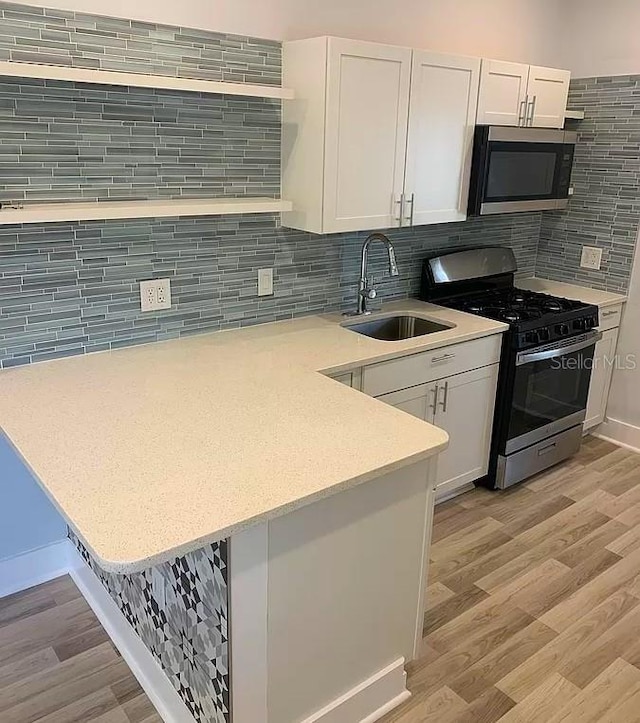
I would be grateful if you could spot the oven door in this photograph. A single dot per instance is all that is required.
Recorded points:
(550, 390)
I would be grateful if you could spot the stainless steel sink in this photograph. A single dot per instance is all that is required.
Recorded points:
(396, 328)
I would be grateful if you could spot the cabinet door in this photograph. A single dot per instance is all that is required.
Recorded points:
(418, 401)
(464, 410)
(366, 134)
(547, 92)
(601, 378)
(442, 113)
(503, 93)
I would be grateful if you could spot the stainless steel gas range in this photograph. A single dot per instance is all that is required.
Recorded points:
(546, 362)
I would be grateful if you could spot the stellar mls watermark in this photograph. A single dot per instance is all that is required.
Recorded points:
(628, 362)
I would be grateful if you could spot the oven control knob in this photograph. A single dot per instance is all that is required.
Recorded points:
(532, 337)
(580, 324)
(544, 335)
(562, 329)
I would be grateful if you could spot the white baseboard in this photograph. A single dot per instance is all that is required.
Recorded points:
(620, 433)
(33, 568)
(370, 700)
(143, 665)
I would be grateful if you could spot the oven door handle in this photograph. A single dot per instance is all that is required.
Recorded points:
(528, 357)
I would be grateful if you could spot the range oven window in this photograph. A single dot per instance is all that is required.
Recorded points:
(520, 174)
(548, 390)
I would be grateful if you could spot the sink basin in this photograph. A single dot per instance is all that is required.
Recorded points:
(396, 328)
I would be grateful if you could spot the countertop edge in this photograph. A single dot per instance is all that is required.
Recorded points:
(381, 354)
(616, 297)
(135, 566)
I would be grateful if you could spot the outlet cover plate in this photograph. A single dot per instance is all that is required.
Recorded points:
(591, 257)
(265, 282)
(155, 295)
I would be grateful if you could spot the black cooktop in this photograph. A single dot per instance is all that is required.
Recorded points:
(534, 318)
(515, 305)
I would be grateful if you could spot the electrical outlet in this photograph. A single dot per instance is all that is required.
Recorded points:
(591, 257)
(265, 282)
(155, 294)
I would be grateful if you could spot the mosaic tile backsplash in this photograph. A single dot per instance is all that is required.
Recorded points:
(605, 210)
(58, 37)
(71, 288)
(180, 612)
(64, 141)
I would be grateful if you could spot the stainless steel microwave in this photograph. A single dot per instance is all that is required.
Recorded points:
(520, 169)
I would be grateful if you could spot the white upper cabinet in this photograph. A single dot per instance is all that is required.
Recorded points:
(503, 93)
(513, 94)
(366, 134)
(377, 137)
(548, 90)
(442, 112)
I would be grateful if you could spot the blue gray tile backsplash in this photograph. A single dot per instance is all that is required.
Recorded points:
(605, 210)
(72, 288)
(59, 37)
(65, 141)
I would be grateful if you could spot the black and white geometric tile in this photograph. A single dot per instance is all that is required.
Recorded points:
(180, 612)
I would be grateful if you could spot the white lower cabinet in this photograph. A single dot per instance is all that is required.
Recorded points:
(462, 405)
(601, 374)
(464, 410)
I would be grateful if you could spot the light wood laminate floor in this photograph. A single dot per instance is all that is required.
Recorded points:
(57, 664)
(534, 600)
(533, 615)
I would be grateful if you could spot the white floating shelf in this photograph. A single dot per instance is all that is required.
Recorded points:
(139, 80)
(574, 114)
(104, 210)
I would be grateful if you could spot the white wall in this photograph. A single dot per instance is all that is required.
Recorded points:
(600, 38)
(524, 30)
(624, 398)
(27, 518)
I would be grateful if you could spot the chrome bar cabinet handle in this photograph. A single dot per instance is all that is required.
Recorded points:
(532, 108)
(445, 397)
(400, 204)
(434, 404)
(523, 111)
(410, 200)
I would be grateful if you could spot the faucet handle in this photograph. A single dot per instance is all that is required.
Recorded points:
(368, 290)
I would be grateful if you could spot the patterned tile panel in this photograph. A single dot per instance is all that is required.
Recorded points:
(58, 37)
(605, 210)
(71, 288)
(180, 612)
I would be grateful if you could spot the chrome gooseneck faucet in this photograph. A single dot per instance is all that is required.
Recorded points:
(366, 289)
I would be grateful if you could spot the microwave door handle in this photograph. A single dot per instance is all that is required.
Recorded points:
(527, 358)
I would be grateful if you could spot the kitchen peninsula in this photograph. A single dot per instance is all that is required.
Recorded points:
(263, 528)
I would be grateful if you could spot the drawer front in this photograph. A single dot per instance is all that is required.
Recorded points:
(427, 366)
(610, 317)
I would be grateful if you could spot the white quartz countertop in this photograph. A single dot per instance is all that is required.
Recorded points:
(153, 451)
(571, 291)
